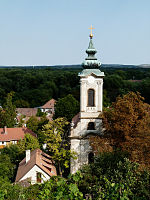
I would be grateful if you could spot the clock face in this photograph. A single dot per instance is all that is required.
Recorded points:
(91, 79)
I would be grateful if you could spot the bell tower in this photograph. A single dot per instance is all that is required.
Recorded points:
(88, 121)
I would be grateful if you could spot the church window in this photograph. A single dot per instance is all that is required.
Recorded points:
(91, 97)
(91, 126)
(91, 157)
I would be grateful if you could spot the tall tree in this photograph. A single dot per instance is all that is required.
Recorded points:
(57, 144)
(128, 124)
(28, 142)
(67, 107)
(36, 125)
(8, 113)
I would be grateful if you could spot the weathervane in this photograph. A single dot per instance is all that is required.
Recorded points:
(91, 34)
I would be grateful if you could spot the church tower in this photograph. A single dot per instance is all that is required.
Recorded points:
(88, 121)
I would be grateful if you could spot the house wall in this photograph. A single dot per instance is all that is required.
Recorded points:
(4, 143)
(33, 175)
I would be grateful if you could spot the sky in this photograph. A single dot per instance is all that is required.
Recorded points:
(54, 32)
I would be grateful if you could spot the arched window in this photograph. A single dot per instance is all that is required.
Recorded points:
(91, 157)
(91, 97)
(91, 126)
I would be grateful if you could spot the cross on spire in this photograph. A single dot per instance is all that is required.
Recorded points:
(91, 34)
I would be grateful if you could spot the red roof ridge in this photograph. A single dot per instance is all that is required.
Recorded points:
(49, 104)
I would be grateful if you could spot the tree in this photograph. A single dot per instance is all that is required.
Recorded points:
(57, 144)
(20, 103)
(8, 113)
(6, 168)
(28, 142)
(66, 107)
(128, 124)
(13, 152)
(36, 125)
(32, 123)
(114, 176)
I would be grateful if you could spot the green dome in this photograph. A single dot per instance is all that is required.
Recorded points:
(91, 61)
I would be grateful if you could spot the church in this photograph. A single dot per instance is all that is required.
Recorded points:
(87, 122)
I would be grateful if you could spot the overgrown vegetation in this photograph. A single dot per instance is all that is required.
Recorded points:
(49, 83)
(114, 174)
(111, 176)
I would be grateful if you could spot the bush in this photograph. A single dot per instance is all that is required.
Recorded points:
(113, 176)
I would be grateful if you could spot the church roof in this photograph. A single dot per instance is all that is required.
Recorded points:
(91, 61)
(87, 72)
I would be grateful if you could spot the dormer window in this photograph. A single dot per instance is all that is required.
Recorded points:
(91, 98)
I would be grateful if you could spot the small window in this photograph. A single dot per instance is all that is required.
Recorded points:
(91, 157)
(91, 97)
(38, 177)
(91, 126)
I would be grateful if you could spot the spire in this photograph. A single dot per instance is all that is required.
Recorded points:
(91, 61)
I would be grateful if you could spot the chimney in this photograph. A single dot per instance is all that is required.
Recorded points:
(27, 155)
(5, 129)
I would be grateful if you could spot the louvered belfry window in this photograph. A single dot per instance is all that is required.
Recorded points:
(91, 97)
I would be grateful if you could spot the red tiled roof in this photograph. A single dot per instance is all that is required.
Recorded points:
(10, 134)
(28, 112)
(38, 158)
(49, 104)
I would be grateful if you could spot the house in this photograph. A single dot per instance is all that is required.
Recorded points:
(48, 107)
(28, 112)
(37, 167)
(25, 113)
(13, 135)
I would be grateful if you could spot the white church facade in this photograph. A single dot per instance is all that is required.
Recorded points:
(88, 121)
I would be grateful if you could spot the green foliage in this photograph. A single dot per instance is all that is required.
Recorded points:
(57, 144)
(8, 113)
(13, 152)
(40, 113)
(20, 103)
(113, 176)
(53, 83)
(28, 142)
(36, 125)
(67, 107)
(32, 124)
(6, 168)
(60, 189)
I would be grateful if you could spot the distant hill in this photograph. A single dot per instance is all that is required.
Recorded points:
(80, 66)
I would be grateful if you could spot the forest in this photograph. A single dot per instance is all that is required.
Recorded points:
(120, 167)
(34, 87)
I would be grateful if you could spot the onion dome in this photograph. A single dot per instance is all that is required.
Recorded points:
(91, 61)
